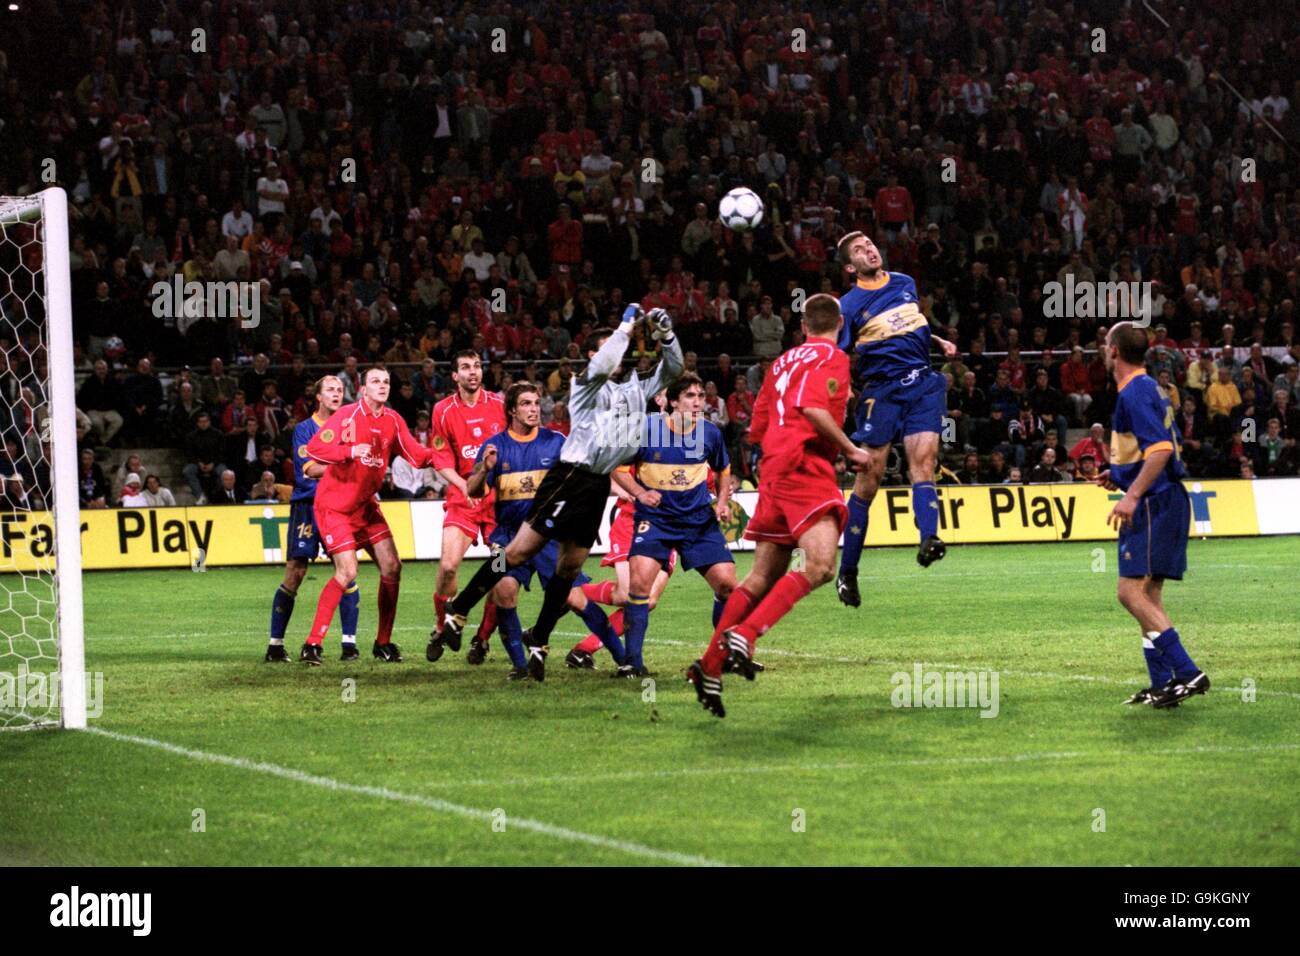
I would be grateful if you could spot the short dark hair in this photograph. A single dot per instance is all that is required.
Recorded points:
(1131, 342)
(842, 247)
(517, 389)
(684, 381)
(464, 354)
(821, 313)
(597, 339)
(365, 375)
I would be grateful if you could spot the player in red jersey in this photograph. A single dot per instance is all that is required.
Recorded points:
(459, 425)
(797, 421)
(356, 444)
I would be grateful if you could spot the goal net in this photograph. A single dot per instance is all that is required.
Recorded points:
(42, 668)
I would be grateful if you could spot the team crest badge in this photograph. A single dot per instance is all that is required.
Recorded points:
(439, 442)
(832, 386)
(327, 435)
(643, 527)
(478, 432)
(302, 451)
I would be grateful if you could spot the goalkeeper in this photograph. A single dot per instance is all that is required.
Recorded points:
(607, 419)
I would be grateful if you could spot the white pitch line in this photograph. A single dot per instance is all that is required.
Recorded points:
(432, 803)
(873, 765)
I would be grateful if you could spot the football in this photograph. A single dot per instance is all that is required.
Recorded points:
(740, 210)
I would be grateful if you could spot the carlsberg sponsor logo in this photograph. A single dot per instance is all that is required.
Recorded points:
(103, 909)
(1098, 300)
(922, 688)
(216, 300)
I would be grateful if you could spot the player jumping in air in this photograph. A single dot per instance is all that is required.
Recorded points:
(900, 396)
(514, 463)
(1152, 518)
(797, 422)
(459, 425)
(304, 538)
(606, 420)
(674, 511)
(357, 443)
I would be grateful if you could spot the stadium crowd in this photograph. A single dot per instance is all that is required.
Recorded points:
(402, 180)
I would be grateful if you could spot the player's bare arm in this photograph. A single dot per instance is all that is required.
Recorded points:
(828, 429)
(722, 508)
(476, 486)
(1154, 464)
(634, 490)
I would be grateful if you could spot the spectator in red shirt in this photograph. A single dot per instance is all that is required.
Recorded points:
(894, 210)
(564, 237)
(1094, 444)
(559, 418)
(1015, 369)
(740, 404)
(1075, 384)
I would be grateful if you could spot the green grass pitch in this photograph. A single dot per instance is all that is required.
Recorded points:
(449, 764)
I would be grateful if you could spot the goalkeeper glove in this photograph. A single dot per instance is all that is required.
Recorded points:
(661, 325)
(631, 316)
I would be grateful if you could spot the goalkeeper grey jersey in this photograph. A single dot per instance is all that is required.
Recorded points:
(606, 418)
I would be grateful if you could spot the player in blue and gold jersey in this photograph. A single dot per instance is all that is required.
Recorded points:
(513, 463)
(674, 510)
(1152, 518)
(900, 397)
(304, 538)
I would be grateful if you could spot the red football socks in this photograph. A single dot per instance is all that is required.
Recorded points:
(785, 594)
(602, 592)
(330, 595)
(489, 622)
(737, 608)
(591, 644)
(440, 609)
(387, 608)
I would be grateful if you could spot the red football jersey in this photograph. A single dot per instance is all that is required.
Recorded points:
(812, 375)
(459, 429)
(349, 482)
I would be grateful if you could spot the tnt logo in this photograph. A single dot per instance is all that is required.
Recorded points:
(1201, 508)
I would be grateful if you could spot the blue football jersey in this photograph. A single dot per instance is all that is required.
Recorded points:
(522, 463)
(304, 488)
(1143, 423)
(884, 328)
(677, 465)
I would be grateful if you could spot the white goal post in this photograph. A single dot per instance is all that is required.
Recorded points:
(42, 593)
